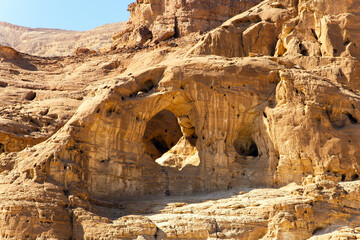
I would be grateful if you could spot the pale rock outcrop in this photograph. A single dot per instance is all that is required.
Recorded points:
(251, 33)
(166, 19)
(287, 28)
(320, 30)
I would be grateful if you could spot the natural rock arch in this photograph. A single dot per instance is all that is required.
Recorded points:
(161, 134)
(171, 140)
(113, 141)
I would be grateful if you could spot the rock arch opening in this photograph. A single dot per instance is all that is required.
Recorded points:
(171, 141)
(161, 134)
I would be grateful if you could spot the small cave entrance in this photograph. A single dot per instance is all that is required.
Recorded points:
(339, 120)
(2, 148)
(161, 134)
(246, 146)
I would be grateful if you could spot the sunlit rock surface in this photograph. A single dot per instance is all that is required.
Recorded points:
(248, 131)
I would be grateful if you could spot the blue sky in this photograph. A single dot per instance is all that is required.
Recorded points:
(64, 14)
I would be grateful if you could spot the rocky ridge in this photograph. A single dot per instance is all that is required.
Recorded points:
(248, 131)
(56, 42)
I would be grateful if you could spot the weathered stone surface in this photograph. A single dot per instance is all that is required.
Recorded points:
(104, 138)
(172, 142)
(320, 30)
(8, 53)
(57, 88)
(253, 32)
(87, 225)
(166, 19)
(32, 210)
(308, 28)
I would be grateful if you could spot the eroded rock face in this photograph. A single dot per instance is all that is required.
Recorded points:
(174, 142)
(287, 28)
(242, 111)
(320, 30)
(118, 147)
(166, 19)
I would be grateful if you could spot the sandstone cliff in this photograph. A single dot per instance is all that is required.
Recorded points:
(248, 131)
(158, 20)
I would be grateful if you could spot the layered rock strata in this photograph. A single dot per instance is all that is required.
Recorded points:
(238, 136)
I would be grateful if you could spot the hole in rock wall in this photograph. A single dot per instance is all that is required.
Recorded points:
(355, 177)
(2, 148)
(343, 177)
(176, 29)
(352, 119)
(161, 134)
(148, 86)
(246, 146)
(303, 50)
(171, 142)
(340, 120)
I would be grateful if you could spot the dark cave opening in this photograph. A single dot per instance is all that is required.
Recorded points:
(160, 144)
(352, 119)
(355, 177)
(343, 177)
(2, 148)
(253, 150)
(246, 147)
(303, 50)
(161, 134)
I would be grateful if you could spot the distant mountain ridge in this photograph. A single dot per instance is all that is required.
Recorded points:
(56, 42)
